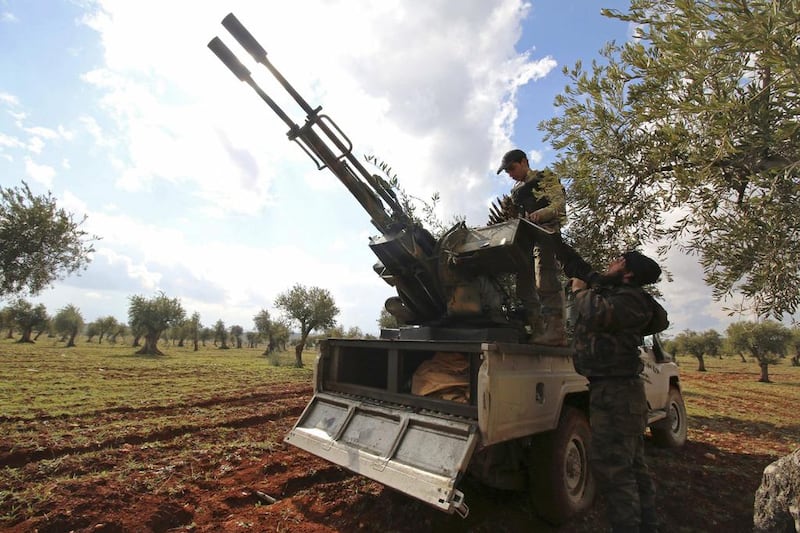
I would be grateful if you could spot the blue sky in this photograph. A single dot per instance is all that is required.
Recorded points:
(122, 112)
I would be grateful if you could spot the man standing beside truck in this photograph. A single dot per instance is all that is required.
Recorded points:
(613, 313)
(540, 198)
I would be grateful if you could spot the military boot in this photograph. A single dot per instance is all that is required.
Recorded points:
(554, 333)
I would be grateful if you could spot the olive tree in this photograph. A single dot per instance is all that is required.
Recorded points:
(386, 320)
(27, 316)
(68, 322)
(236, 334)
(105, 326)
(794, 345)
(151, 317)
(698, 345)
(312, 308)
(40, 242)
(266, 329)
(194, 328)
(221, 334)
(7, 322)
(765, 341)
(687, 136)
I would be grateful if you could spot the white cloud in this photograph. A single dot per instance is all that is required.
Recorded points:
(8, 141)
(45, 133)
(428, 87)
(42, 174)
(35, 145)
(171, 95)
(9, 99)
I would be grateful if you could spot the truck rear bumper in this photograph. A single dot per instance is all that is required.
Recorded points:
(418, 454)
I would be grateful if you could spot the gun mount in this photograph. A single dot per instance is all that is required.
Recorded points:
(450, 282)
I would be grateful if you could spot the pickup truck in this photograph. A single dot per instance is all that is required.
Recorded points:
(520, 419)
(524, 424)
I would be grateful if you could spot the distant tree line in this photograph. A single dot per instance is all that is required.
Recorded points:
(161, 319)
(766, 342)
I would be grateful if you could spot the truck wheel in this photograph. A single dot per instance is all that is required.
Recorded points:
(671, 431)
(561, 482)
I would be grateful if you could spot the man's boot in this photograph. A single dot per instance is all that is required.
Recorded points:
(554, 333)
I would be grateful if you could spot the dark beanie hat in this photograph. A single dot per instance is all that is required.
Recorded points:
(644, 269)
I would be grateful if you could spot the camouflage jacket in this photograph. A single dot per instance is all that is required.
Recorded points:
(541, 191)
(610, 320)
(609, 324)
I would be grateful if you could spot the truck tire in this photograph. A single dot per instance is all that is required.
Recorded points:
(561, 481)
(671, 431)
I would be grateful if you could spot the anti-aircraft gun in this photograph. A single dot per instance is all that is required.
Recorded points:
(443, 284)
(518, 416)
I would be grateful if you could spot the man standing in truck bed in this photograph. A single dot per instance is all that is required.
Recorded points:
(613, 313)
(540, 198)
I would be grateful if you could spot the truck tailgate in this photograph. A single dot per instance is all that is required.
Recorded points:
(417, 454)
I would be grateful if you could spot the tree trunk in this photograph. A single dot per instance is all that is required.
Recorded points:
(71, 341)
(136, 339)
(701, 364)
(298, 351)
(196, 347)
(150, 346)
(764, 372)
(10, 333)
(26, 336)
(743, 359)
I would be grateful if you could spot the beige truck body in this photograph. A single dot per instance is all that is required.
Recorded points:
(364, 417)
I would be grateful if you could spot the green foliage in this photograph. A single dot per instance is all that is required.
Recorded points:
(689, 136)
(193, 328)
(236, 335)
(107, 325)
(386, 320)
(697, 345)
(26, 316)
(312, 308)
(765, 341)
(409, 203)
(68, 322)
(39, 242)
(276, 331)
(221, 334)
(339, 332)
(152, 317)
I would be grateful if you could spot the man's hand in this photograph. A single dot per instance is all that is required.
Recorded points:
(578, 284)
(540, 215)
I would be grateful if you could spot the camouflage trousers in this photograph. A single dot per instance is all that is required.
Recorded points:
(548, 284)
(539, 287)
(618, 417)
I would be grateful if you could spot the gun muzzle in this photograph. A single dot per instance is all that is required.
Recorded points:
(231, 61)
(244, 37)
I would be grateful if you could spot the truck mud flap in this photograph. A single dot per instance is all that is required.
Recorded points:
(419, 455)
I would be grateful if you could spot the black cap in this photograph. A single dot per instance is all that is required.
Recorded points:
(644, 269)
(514, 156)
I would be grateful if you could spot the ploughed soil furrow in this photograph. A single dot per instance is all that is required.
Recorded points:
(19, 457)
(243, 398)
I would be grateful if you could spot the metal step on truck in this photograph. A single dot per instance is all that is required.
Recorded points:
(457, 388)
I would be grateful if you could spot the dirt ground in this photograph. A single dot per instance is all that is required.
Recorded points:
(184, 477)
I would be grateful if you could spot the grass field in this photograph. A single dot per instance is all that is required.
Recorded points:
(95, 438)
